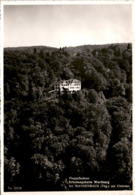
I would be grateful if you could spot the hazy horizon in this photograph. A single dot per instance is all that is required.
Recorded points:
(66, 25)
(67, 46)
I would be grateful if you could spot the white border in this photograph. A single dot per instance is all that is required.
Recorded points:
(61, 2)
(1, 93)
(133, 92)
(64, 2)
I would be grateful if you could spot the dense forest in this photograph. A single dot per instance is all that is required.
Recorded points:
(49, 137)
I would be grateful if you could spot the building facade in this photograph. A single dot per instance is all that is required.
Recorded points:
(71, 85)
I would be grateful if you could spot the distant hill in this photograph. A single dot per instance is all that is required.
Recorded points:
(71, 50)
(31, 48)
(84, 48)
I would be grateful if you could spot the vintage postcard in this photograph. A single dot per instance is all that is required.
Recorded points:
(66, 97)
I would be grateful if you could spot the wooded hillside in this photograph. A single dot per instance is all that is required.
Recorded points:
(87, 134)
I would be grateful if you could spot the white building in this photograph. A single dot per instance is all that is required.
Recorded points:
(71, 85)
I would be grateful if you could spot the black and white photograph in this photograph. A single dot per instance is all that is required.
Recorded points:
(67, 72)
